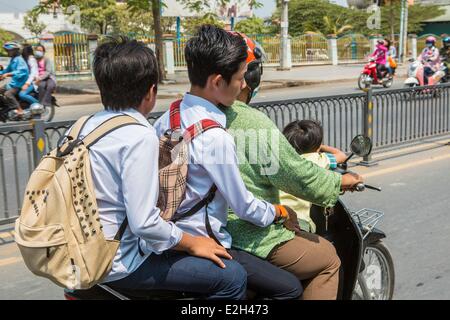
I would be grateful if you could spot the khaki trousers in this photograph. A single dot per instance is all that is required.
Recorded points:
(313, 260)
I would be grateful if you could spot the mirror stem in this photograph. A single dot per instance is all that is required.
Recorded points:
(349, 157)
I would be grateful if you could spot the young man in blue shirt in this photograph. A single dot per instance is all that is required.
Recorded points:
(217, 63)
(17, 70)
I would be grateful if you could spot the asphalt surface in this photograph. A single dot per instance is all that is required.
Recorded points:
(75, 106)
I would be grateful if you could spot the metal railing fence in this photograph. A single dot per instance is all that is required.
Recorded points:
(389, 117)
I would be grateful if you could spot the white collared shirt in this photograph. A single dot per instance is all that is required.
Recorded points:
(125, 173)
(213, 160)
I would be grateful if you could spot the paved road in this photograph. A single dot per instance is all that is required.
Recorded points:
(76, 108)
(414, 198)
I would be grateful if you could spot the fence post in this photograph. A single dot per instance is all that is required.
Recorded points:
(368, 125)
(332, 49)
(373, 42)
(38, 139)
(48, 42)
(92, 46)
(170, 57)
(413, 45)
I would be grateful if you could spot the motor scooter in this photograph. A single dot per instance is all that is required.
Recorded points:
(367, 268)
(369, 76)
(31, 111)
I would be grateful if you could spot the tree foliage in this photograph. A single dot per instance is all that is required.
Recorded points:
(4, 37)
(253, 25)
(321, 16)
(190, 25)
(31, 23)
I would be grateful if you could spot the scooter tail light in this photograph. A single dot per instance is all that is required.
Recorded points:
(69, 297)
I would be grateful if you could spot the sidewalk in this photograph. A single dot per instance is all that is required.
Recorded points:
(272, 79)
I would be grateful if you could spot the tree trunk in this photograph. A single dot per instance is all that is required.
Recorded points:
(156, 9)
(392, 22)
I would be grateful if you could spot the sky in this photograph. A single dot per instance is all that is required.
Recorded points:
(269, 7)
(17, 6)
(24, 5)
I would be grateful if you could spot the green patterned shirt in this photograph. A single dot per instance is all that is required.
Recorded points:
(268, 163)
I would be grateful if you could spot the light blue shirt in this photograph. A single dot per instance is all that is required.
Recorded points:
(19, 70)
(124, 167)
(213, 160)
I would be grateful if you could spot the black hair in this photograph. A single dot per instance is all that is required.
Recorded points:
(304, 135)
(27, 51)
(389, 43)
(214, 51)
(124, 70)
(40, 46)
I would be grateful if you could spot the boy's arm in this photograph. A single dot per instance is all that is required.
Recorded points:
(338, 154)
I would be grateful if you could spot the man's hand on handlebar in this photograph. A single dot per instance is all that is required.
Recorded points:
(350, 180)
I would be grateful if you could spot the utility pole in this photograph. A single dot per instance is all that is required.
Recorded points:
(403, 30)
(285, 57)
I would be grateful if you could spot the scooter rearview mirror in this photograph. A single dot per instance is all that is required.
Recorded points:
(361, 146)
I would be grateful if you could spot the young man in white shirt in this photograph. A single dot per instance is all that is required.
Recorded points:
(216, 63)
(154, 254)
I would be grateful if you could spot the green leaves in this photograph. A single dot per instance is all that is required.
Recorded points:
(31, 23)
(253, 25)
(4, 37)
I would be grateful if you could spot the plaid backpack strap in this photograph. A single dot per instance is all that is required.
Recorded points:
(175, 118)
(200, 127)
(191, 133)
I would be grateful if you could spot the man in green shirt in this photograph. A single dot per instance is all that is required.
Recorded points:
(267, 164)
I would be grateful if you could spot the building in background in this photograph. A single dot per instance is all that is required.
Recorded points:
(12, 13)
(437, 25)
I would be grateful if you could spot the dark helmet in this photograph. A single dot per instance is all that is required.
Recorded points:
(255, 58)
(446, 42)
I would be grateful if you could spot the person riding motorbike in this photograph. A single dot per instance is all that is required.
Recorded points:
(430, 58)
(380, 55)
(29, 86)
(46, 80)
(18, 71)
(391, 55)
(312, 259)
(444, 52)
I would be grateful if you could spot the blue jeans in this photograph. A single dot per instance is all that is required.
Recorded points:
(177, 271)
(25, 95)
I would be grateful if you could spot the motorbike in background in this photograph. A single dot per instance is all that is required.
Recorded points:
(416, 74)
(369, 76)
(31, 111)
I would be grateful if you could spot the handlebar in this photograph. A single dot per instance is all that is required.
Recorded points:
(341, 169)
(361, 187)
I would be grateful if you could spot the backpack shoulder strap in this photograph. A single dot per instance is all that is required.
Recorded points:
(200, 127)
(175, 118)
(78, 127)
(107, 127)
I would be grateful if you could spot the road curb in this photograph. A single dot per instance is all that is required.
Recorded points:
(266, 85)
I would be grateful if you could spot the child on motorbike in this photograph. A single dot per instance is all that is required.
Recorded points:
(380, 55)
(306, 136)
